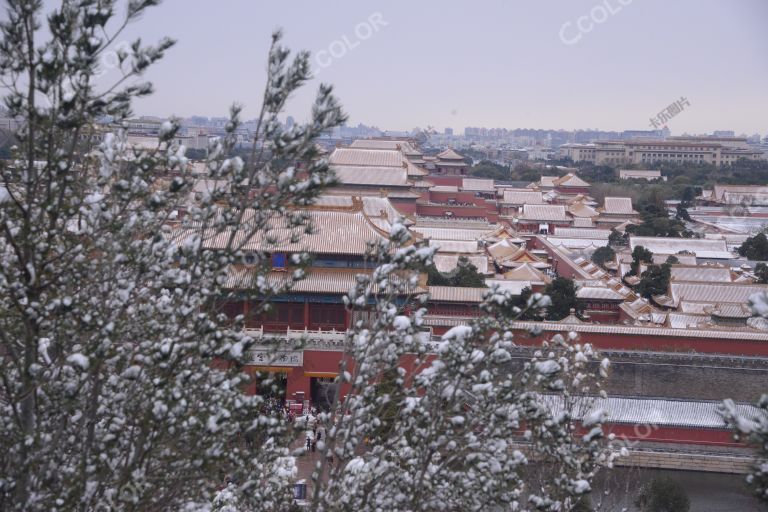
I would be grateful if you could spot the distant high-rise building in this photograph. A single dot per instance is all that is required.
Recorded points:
(586, 136)
(147, 125)
(449, 131)
(289, 122)
(681, 150)
(645, 134)
(723, 133)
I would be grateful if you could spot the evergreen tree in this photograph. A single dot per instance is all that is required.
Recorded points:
(654, 281)
(755, 248)
(464, 275)
(467, 274)
(656, 220)
(437, 278)
(681, 212)
(491, 170)
(603, 255)
(663, 495)
(617, 239)
(640, 255)
(761, 271)
(562, 294)
(689, 195)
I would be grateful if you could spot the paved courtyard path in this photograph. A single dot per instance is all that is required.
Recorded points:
(308, 460)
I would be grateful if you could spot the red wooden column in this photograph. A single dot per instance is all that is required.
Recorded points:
(306, 313)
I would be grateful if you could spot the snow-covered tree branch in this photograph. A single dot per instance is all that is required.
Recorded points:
(111, 396)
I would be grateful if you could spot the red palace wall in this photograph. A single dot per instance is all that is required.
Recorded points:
(650, 433)
(315, 361)
(326, 363)
(566, 271)
(573, 190)
(563, 267)
(459, 197)
(455, 181)
(403, 206)
(453, 309)
(681, 343)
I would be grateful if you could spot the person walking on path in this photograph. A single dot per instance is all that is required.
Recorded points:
(309, 443)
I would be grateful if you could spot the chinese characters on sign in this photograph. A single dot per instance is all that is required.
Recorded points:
(266, 357)
(669, 112)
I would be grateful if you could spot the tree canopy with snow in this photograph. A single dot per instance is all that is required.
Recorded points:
(110, 397)
(468, 432)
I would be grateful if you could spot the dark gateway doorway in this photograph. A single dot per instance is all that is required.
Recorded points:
(322, 390)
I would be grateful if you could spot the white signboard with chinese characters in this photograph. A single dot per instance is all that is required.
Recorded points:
(269, 357)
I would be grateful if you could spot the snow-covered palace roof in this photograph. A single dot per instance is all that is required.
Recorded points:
(615, 329)
(335, 232)
(712, 292)
(702, 248)
(653, 411)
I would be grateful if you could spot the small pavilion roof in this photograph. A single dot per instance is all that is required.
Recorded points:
(526, 272)
(450, 154)
(570, 180)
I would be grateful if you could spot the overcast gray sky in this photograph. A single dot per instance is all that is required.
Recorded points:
(608, 64)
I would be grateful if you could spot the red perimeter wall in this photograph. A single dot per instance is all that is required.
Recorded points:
(328, 361)
(658, 343)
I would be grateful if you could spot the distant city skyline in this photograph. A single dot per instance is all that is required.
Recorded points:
(461, 131)
(612, 64)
